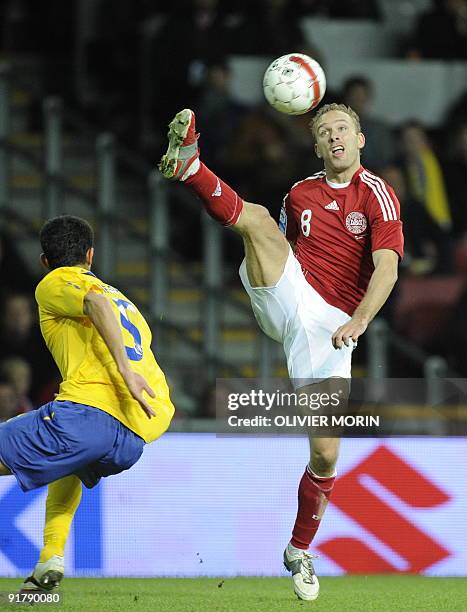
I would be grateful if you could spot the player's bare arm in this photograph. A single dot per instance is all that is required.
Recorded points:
(100, 312)
(380, 286)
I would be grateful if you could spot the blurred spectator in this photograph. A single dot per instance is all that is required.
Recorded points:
(310, 8)
(20, 336)
(456, 181)
(16, 26)
(354, 9)
(350, 9)
(113, 60)
(195, 35)
(426, 183)
(17, 320)
(441, 32)
(424, 173)
(44, 31)
(56, 43)
(379, 140)
(14, 272)
(424, 244)
(262, 160)
(273, 29)
(218, 117)
(18, 372)
(8, 400)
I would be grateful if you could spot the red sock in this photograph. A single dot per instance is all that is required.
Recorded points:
(220, 200)
(313, 495)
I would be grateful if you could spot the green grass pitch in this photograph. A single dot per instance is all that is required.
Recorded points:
(344, 594)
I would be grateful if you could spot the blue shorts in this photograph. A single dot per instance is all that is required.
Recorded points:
(63, 438)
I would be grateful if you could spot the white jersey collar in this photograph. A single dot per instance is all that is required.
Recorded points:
(337, 185)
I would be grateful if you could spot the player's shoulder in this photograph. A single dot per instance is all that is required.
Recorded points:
(50, 279)
(373, 183)
(379, 194)
(72, 275)
(310, 182)
(66, 273)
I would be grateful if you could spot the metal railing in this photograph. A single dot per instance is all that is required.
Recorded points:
(160, 252)
(50, 168)
(380, 339)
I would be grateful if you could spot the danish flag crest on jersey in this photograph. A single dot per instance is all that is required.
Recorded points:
(356, 222)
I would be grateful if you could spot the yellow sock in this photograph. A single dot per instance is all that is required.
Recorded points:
(63, 499)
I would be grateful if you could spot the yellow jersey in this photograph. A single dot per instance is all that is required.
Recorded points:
(90, 374)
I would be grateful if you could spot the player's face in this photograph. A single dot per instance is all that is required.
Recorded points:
(338, 143)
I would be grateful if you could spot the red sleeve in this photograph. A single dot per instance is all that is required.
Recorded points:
(287, 223)
(384, 219)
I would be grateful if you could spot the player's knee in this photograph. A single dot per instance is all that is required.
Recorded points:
(257, 214)
(256, 218)
(324, 459)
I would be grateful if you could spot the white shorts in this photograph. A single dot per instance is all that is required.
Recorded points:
(293, 313)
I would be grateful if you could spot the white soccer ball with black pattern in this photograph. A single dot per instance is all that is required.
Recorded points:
(294, 84)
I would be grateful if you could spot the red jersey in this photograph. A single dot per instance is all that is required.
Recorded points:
(335, 231)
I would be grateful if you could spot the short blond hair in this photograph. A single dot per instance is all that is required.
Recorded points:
(334, 107)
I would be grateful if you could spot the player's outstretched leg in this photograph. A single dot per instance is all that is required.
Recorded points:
(266, 249)
(63, 499)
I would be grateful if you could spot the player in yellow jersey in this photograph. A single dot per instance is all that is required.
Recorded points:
(113, 399)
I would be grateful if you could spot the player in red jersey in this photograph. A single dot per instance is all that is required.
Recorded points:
(316, 288)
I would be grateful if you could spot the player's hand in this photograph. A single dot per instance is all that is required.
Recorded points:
(350, 332)
(136, 385)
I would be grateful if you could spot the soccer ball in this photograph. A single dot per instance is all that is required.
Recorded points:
(294, 84)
